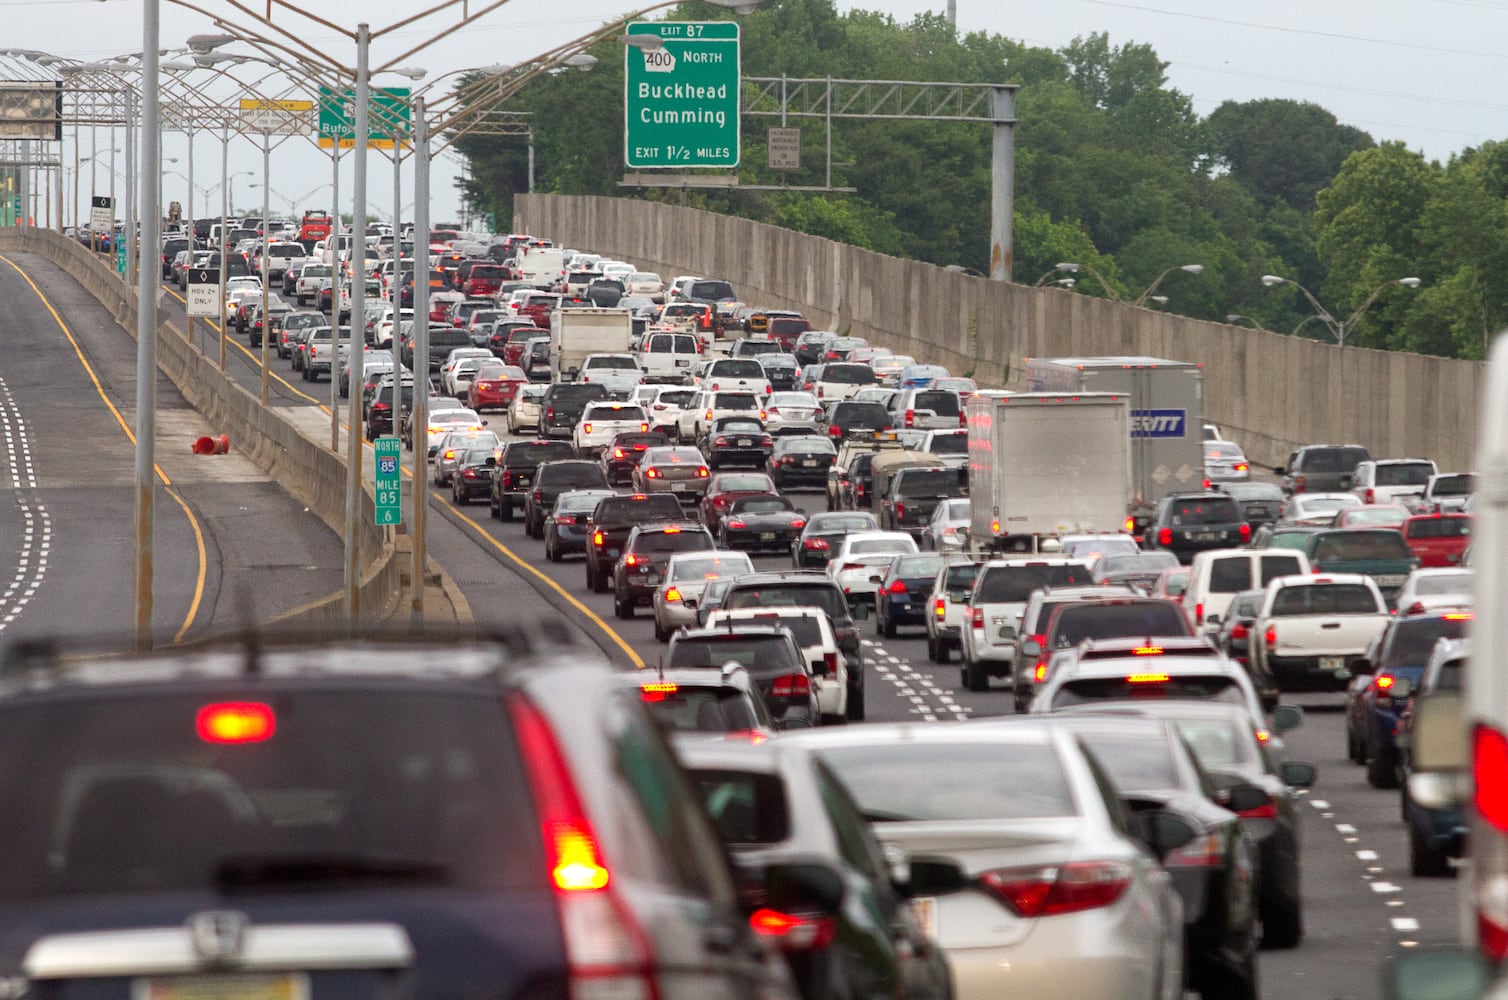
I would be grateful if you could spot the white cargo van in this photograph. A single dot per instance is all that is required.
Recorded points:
(1216, 576)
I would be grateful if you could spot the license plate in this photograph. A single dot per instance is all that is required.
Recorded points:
(1334, 664)
(1004, 629)
(744, 442)
(767, 536)
(1204, 536)
(1389, 581)
(682, 362)
(809, 463)
(280, 986)
(924, 909)
(680, 487)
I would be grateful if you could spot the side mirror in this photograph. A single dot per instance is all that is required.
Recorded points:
(1031, 647)
(876, 579)
(1243, 798)
(1298, 773)
(1435, 974)
(491, 463)
(808, 887)
(1212, 619)
(1360, 665)
(1286, 718)
(819, 668)
(1278, 470)
(931, 877)
(1164, 832)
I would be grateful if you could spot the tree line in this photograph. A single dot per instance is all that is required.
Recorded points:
(1115, 171)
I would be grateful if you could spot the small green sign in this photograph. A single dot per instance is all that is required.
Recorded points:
(389, 113)
(387, 481)
(681, 99)
(120, 257)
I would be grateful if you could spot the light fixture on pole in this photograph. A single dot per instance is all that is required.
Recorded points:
(1339, 329)
(1186, 268)
(1072, 267)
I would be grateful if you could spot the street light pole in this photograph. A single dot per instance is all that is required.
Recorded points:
(266, 291)
(1143, 298)
(358, 311)
(421, 341)
(332, 251)
(146, 335)
(1340, 329)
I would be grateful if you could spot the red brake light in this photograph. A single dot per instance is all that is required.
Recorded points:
(1147, 678)
(793, 932)
(617, 452)
(1147, 651)
(672, 594)
(597, 538)
(702, 473)
(1384, 683)
(1068, 888)
(565, 519)
(736, 524)
(816, 544)
(1164, 536)
(235, 722)
(1245, 531)
(896, 587)
(976, 618)
(630, 560)
(575, 863)
(1040, 673)
(940, 608)
(651, 473)
(656, 691)
(791, 686)
(910, 417)
(1239, 632)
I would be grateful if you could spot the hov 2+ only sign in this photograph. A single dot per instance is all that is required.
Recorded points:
(681, 100)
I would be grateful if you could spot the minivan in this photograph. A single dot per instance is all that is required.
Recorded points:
(1322, 468)
(1218, 575)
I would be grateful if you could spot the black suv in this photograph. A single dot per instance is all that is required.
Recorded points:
(517, 463)
(300, 817)
(552, 479)
(1322, 468)
(612, 521)
(641, 567)
(563, 404)
(805, 589)
(1186, 523)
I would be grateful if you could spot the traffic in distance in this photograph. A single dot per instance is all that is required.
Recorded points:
(1088, 551)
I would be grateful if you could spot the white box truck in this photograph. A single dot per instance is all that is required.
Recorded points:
(1042, 465)
(1167, 417)
(542, 266)
(575, 333)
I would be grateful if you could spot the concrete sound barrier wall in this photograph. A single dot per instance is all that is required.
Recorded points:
(1269, 391)
(309, 471)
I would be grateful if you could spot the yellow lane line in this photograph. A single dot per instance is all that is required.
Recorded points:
(590, 615)
(198, 597)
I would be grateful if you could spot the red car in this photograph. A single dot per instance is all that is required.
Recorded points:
(538, 307)
(1438, 539)
(510, 339)
(494, 386)
(484, 280)
(727, 487)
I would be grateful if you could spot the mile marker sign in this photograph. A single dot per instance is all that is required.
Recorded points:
(681, 100)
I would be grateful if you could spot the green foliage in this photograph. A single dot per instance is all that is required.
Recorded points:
(1114, 171)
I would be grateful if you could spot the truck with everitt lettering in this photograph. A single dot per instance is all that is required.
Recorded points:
(1167, 418)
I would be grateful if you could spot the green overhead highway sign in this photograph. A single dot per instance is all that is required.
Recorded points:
(681, 99)
(387, 485)
(389, 108)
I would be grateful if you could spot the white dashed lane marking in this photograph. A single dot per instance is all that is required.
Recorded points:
(927, 700)
(36, 533)
(1372, 876)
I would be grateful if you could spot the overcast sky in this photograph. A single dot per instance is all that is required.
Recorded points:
(1426, 72)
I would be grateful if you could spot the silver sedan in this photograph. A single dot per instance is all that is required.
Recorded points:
(686, 577)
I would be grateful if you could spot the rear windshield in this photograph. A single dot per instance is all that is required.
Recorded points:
(1454, 486)
(577, 391)
(1411, 641)
(1081, 620)
(944, 404)
(749, 348)
(806, 628)
(763, 656)
(949, 444)
(571, 475)
(927, 483)
(947, 782)
(673, 541)
(1141, 562)
(1014, 584)
(871, 415)
(134, 800)
(1205, 510)
(735, 401)
(1333, 459)
(1404, 474)
(1325, 599)
(1254, 491)
(822, 596)
(676, 397)
(611, 361)
(760, 505)
(912, 567)
(718, 291)
(736, 368)
(961, 577)
(1347, 546)
(531, 453)
(1233, 575)
(672, 343)
(1439, 527)
(1149, 686)
(745, 808)
(1134, 763)
(637, 510)
(849, 375)
(786, 326)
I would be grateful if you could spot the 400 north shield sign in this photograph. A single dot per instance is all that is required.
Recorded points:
(681, 99)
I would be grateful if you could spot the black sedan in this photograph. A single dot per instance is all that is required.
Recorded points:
(774, 808)
(1202, 844)
(801, 461)
(621, 456)
(736, 441)
(904, 591)
(761, 522)
(565, 525)
(472, 478)
(823, 532)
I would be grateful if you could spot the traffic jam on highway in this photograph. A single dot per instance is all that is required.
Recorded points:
(781, 502)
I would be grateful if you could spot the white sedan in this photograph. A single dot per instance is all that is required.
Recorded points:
(861, 558)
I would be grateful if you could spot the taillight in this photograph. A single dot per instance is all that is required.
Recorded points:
(703, 472)
(736, 524)
(833, 430)
(1164, 536)
(1245, 531)
(815, 545)
(721, 442)
(1199, 614)
(1039, 673)
(1367, 495)
(1270, 637)
(1267, 810)
(1298, 484)
(617, 452)
(830, 660)
(1053, 889)
(976, 617)
(910, 417)
(896, 587)
(900, 508)
(565, 519)
(652, 473)
(630, 560)
(550, 413)
(940, 607)
(791, 686)
(597, 538)
(586, 428)
(1239, 632)
(1204, 851)
(672, 594)
(963, 420)
(792, 931)
(798, 523)
(507, 479)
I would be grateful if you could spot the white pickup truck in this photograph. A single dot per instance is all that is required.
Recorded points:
(320, 350)
(601, 422)
(1311, 628)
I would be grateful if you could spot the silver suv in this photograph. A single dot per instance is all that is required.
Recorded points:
(996, 604)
